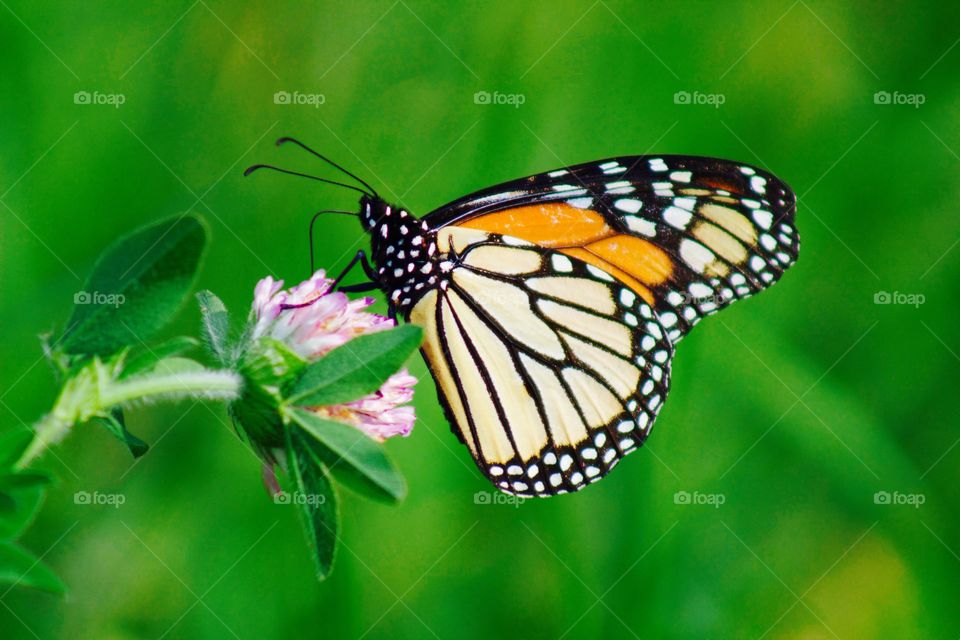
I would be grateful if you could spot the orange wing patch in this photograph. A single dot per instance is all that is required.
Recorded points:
(641, 259)
(583, 234)
(553, 225)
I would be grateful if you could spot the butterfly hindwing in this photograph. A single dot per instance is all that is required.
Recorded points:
(550, 369)
(690, 235)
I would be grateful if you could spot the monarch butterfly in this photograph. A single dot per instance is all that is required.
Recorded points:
(552, 304)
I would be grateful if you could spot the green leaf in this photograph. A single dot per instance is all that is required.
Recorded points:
(316, 500)
(352, 456)
(135, 288)
(216, 325)
(24, 479)
(148, 358)
(12, 445)
(26, 505)
(21, 568)
(116, 425)
(8, 505)
(354, 369)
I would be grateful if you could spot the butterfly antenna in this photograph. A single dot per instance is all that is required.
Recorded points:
(328, 161)
(310, 231)
(257, 167)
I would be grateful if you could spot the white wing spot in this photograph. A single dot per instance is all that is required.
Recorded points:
(581, 203)
(630, 205)
(677, 217)
(700, 290)
(641, 226)
(763, 218)
(599, 273)
(696, 255)
(561, 262)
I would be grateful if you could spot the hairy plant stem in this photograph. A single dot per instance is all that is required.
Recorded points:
(94, 390)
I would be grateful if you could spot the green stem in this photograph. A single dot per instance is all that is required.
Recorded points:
(91, 394)
(212, 384)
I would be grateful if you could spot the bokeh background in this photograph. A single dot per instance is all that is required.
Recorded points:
(825, 423)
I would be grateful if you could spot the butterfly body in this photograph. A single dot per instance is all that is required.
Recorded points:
(552, 305)
(404, 251)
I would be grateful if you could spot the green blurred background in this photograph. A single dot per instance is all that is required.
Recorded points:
(794, 409)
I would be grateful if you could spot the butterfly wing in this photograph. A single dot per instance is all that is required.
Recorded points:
(549, 369)
(688, 234)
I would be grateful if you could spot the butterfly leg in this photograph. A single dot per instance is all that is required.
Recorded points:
(368, 270)
(359, 288)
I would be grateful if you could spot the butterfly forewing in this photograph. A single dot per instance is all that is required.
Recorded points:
(690, 235)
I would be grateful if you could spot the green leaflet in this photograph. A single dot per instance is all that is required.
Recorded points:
(354, 369)
(216, 325)
(135, 287)
(352, 456)
(316, 501)
(19, 567)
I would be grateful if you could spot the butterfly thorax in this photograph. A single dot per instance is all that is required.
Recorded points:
(404, 252)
